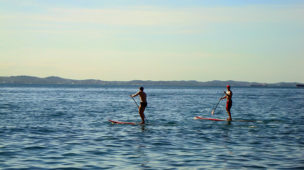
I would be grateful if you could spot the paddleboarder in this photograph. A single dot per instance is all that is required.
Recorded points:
(228, 96)
(143, 103)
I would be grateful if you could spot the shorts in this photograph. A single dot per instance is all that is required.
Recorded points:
(228, 105)
(143, 104)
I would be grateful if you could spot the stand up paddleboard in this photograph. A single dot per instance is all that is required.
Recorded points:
(214, 119)
(206, 118)
(118, 122)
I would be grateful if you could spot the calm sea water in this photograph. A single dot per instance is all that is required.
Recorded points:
(58, 127)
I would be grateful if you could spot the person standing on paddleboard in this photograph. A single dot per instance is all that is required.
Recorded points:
(143, 103)
(228, 96)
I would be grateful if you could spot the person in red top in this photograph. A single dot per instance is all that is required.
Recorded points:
(228, 96)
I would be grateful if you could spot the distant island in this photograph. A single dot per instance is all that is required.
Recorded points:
(63, 81)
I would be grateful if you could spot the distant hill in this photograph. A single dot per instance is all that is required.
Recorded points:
(59, 80)
(47, 80)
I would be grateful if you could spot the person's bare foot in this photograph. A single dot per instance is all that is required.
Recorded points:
(229, 119)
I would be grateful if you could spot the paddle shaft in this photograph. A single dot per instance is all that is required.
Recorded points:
(213, 110)
(135, 101)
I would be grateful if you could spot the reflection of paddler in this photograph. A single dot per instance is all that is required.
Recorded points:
(228, 97)
(143, 103)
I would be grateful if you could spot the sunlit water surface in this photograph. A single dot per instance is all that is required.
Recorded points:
(49, 127)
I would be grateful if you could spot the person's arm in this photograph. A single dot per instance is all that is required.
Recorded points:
(224, 97)
(134, 95)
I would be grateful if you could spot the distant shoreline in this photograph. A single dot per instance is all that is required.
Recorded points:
(53, 80)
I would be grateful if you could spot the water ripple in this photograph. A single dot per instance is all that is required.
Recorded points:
(65, 127)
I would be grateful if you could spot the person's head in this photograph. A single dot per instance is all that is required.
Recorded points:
(228, 87)
(141, 88)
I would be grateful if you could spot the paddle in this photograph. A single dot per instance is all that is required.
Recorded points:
(135, 101)
(213, 110)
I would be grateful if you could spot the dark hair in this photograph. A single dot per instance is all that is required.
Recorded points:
(141, 88)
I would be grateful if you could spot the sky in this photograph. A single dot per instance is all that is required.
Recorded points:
(121, 40)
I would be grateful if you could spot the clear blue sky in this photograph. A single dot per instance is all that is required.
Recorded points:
(252, 40)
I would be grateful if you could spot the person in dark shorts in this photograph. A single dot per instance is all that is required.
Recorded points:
(228, 96)
(143, 103)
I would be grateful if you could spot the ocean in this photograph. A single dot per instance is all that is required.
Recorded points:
(67, 127)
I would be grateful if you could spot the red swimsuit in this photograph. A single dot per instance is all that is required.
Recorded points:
(228, 104)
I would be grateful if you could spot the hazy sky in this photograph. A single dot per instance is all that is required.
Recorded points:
(252, 40)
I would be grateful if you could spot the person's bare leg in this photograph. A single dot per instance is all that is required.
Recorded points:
(141, 113)
(229, 114)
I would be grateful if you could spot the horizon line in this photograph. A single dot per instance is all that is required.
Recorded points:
(153, 80)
